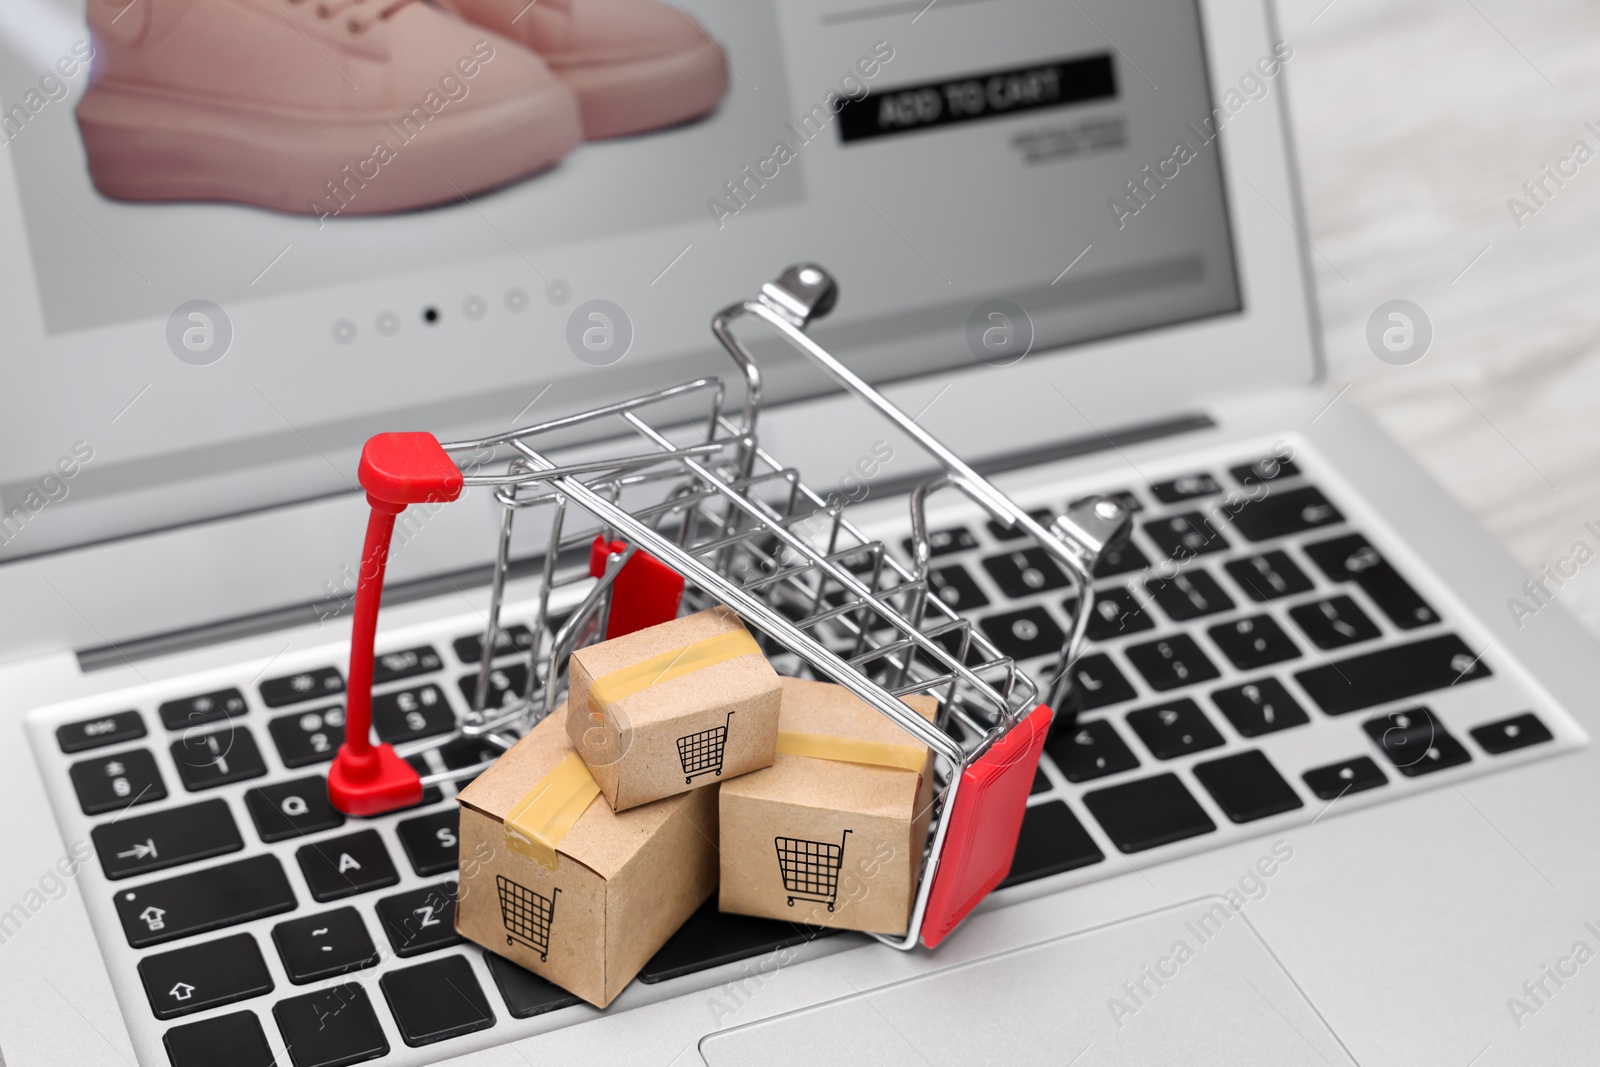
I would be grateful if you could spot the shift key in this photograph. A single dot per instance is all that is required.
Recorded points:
(204, 900)
(1397, 673)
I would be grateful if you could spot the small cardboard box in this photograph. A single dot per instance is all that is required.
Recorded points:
(621, 884)
(673, 707)
(829, 841)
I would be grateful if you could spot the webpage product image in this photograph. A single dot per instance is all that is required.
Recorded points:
(222, 100)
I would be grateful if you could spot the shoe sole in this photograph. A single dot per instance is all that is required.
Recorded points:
(144, 145)
(618, 99)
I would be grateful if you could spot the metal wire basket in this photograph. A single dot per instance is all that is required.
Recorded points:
(694, 490)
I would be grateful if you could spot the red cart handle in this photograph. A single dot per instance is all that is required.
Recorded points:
(397, 470)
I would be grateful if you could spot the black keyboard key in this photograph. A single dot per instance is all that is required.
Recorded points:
(322, 946)
(1114, 613)
(420, 920)
(1189, 594)
(1349, 776)
(236, 1040)
(432, 842)
(203, 900)
(117, 781)
(1266, 469)
(1360, 682)
(1121, 559)
(1269, 576)
(1334, 623)
(307, 685)
(1041, 516)
(111, 729)
(1174, 729)
(1260, 707)
(711, 938)
(1124, 497)
(1279, 514)
(506, 684)
(1187, 487)
(1173, 662)
(197, 977)
(955, 587)
(140, 844)
(1416, 742)
(435, 1001)
(1148, 813)
(1247, 787)
(411, 714)
(309, 737)
(1254, 642)
(406, 663)
(1090, 750)
(344, 866)
(331, 1027)
(1051, 841)
(466, 752)
(292, 809)
(1024, 572)
(220, 757)
(1041, 784)
(1185, 536)
(945, 542)
(1098, 683)
(507, 640)
(1024, 634)
(207, 707)
(527, 995)
(1508, 735)
(1353, 559)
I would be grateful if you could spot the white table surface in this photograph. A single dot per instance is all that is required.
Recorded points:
(1415, 121)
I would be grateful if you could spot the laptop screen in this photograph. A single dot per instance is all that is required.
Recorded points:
(243, 235)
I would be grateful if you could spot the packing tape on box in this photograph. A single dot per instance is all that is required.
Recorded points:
(618, 685)
(537, 823)
(851, 750)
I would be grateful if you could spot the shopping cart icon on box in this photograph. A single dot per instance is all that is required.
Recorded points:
(701, 753)
(527, 915)
(810, 868)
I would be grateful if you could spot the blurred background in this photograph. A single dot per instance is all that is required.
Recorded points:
(1415, 122)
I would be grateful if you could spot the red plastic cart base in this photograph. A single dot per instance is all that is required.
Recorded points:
(983, 825)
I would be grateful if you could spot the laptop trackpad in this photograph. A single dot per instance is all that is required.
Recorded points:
(1192, 985)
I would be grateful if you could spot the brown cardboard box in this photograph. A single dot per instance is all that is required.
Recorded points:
(666, 732)
(622, 884)
(827, 841)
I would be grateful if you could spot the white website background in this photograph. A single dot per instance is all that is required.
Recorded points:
(921, 228)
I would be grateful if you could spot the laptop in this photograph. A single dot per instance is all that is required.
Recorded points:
(1326, 795)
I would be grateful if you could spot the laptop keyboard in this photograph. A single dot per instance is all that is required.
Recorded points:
(1251, 662)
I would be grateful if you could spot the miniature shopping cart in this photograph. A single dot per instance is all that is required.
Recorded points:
(810, 868)
(701, 753)
(527, 915)
(685, 509)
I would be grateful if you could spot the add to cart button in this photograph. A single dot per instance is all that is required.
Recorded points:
(974, 97)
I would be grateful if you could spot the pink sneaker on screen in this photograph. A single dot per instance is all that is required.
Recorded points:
(636, 65)
(324, 107)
